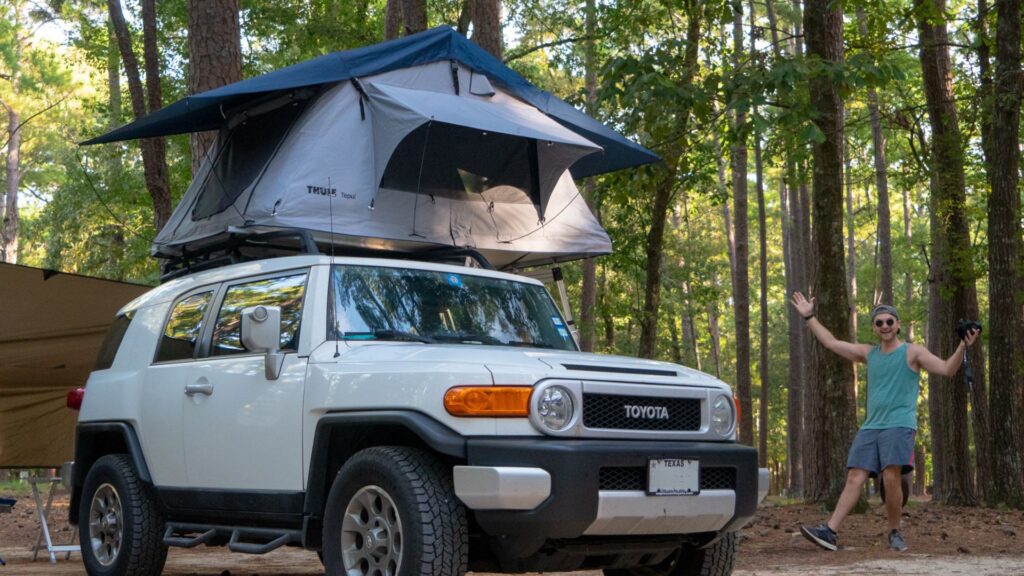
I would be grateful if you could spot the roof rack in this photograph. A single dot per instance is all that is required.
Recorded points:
(240, 245)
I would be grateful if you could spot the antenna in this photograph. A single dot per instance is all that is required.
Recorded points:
(330, 212)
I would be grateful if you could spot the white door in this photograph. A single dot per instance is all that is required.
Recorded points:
(241, 430)
(163, 389)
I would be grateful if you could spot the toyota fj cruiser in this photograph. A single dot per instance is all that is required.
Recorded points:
(398, 417)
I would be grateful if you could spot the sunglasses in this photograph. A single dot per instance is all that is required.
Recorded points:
(887, 322)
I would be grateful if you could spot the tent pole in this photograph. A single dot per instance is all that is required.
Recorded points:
(556, 273)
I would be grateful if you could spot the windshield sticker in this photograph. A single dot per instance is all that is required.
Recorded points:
(454, 280)
(563, 332)
(557, 321)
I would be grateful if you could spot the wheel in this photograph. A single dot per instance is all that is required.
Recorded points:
(119, 522)
(392, 511)
(717, 560)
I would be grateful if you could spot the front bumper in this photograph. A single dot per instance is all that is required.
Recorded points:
(575, 504)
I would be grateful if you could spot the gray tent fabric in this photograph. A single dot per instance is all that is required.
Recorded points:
(51, 329)
(317, 167)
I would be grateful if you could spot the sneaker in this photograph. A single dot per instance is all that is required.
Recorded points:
(821, 535)
(896, 541)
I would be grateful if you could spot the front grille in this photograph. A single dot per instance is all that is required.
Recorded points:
(614, 412)
(635, 478)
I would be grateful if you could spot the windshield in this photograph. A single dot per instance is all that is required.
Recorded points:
(379, 303)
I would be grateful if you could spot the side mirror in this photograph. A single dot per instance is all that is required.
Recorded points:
(261, 332)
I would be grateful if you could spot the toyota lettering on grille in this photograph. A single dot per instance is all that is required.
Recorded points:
(647, 412)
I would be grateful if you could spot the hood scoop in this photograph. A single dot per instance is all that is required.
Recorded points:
(621, 370)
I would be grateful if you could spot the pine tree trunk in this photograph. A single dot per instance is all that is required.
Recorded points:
(215, 58)
(952, 273)
(741, 278)
(414, 16)
(588, 292)
(881, 182)
(487, 26)
(795, 369)
(1004, 252)
(831, 429)
(393, 19)
(663, 192)
(154, 151)
(716, 350)
(10, 217)
(762, 231)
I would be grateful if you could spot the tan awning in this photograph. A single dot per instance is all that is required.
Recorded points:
(51, 329)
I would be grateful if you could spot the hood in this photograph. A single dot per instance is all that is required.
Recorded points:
(532, 364)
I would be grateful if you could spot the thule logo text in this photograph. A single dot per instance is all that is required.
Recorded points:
(647, 412)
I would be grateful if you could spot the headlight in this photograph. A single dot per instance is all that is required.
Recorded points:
(554, 406)
(721, 415)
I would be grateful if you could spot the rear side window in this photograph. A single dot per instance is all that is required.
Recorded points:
(183, 328)
(113, 341)
(284, 291)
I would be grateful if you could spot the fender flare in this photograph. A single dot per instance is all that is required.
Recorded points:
(430, 432)
(94, 440)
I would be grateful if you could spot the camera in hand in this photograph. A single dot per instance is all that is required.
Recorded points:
(965, 326)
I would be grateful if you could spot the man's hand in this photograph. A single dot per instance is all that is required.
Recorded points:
(972, 335)
(802, 305)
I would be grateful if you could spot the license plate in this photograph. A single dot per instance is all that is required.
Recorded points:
(673, 477)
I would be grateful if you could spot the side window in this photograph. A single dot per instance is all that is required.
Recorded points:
(285, 291)
(183, 328)
(113, 341)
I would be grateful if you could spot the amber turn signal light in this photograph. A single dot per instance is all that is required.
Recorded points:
(488, 401)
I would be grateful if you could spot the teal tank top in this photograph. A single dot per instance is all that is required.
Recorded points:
(892, 390)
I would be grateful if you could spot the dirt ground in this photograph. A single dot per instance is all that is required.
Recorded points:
(942, 540)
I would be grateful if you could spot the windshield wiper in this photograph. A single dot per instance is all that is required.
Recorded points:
(470, 338)
(529, 344)
(397, 335)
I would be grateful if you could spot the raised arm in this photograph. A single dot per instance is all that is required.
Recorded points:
(922, 359)
(849, 350)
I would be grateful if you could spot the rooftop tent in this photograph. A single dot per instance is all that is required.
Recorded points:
(412, 144)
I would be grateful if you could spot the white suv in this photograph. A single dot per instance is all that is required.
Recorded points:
(400, 418)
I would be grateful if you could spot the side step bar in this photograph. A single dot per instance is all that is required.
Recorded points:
(241, 539)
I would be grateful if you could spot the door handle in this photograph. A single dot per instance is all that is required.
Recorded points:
(204, 388)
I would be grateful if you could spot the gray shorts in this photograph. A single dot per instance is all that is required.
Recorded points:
(875, 450)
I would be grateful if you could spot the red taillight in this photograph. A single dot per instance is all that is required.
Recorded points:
(75, 398)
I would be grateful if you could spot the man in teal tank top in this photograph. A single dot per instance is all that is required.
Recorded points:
(884, 446)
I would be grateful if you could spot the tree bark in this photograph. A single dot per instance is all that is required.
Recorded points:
(588, 292)
(831, 429)
(414, 16)
(10, 217)
(487, 26)
(881, 182)
(794, 392)
(663, 193)
(952, 274)
(1004, 252)
(741, 279)
(393, 19)
(762, 231)
(716, 349)
(215, 58)
(154, 151)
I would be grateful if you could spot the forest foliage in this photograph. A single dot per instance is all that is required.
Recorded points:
(746, 88)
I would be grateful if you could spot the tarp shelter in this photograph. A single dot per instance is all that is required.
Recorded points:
(417, 142)
(51, 329)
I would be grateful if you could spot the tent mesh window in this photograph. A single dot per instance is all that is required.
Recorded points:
(451, 161)
(241, 159)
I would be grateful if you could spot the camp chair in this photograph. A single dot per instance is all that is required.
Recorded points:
(6, 506)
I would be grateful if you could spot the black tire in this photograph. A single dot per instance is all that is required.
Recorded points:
(119, 522)
(717, 560)
(409, 521)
